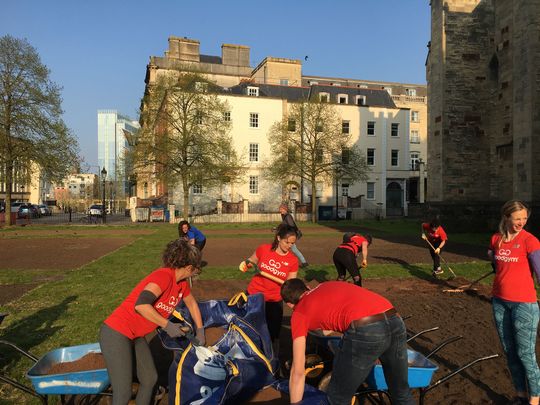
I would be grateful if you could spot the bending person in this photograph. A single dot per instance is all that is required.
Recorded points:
(371, 327)
(516, 254)
(122, 335)
(435, 235)
(192, 234)
(345, 256)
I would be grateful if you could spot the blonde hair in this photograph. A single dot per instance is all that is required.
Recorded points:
(507, 210)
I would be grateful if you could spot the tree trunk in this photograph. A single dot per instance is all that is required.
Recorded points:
(313, 200)
(9, 186)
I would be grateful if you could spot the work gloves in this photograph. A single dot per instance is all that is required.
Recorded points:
(245, 265)
(174, 330)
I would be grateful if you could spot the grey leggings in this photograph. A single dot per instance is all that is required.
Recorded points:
(118, 351)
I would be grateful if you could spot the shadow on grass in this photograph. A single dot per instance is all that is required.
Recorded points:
(317, 275)
(31, 331)
(413, 270)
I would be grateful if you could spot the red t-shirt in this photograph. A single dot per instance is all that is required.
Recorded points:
(333, 305)
(354, 245)
(272, 263)
(438, 236)
(128, 322)
(513, 278)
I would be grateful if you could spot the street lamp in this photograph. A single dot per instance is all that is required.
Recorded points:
(22, 193)
(103, 179)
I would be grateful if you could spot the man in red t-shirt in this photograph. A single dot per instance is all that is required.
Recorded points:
(371, 327)
(435, 235)
(344, 256)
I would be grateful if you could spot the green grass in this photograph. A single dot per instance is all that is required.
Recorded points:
(66, 308)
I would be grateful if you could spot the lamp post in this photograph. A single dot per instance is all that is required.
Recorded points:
(103, 180)
(22, 193)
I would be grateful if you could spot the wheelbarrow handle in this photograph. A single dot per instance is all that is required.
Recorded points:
(23, 388)
(27, 354)
(423, 391)
(442, 344)
(421, 333)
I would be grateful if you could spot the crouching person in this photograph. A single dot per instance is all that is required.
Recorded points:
(371, 327)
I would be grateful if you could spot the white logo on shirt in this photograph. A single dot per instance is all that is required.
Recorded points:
(503, 256)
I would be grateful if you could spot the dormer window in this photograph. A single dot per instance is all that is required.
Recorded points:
(324, 97)
(342, 99)
(411, 92)
(360, 100)
(253, 91)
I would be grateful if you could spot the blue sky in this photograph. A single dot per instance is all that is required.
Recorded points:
(97, 50)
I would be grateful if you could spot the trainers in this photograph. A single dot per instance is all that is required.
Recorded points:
(438, 271)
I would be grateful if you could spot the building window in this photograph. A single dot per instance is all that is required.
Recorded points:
(388, 90)
(253, 184)
(227, 116)
(410, 92)
(291, 154)
(291, 125)
(197, 189)
(395, 129)
(253, 91)
(324, 97)
(415, 116)
(342, 99)
(360, 100)
(371, 128)
(319, 188)
(284, 82)
(415, 159)
(318, 126)
(319, 155)
(371, 157)
(370, 195)
(345, 189)
(253, 152)
(254, 120)
(394, 157)
(345, 127)
(345, 156)
(415, 138)
(198, 118)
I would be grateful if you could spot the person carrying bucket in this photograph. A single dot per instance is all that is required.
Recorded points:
(435, 236)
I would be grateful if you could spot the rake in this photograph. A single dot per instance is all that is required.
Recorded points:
(443, 259)
(465, 287)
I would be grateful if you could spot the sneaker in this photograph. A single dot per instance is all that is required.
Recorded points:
(303, 265)
(438, 271)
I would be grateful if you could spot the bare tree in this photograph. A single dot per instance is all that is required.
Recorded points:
(309, 144)
(31, 127)
(184, 137)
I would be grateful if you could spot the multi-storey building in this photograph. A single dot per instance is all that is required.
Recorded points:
(386, 120)
(112, 143)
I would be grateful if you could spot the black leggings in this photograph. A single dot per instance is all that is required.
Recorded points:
(118, 351)
(345, 260)
(274, 318)
(436, 258)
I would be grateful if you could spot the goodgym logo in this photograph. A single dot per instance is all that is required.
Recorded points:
(503, 255)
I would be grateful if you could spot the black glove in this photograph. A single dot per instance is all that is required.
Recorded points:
(200, 336)
(173, 330)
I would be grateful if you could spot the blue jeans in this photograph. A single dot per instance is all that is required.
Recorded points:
(359, 349)
(298, 254)
(517, 323)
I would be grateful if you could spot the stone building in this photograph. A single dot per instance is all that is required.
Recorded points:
(483, 71)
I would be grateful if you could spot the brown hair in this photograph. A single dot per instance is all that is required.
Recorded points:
(180, 253)
(283, 231)
(507, 210)
(292, 290)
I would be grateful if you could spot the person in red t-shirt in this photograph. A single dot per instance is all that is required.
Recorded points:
(434, 233)
(516, 255)
(345, 256)
(122, 335)
(371, 327)
(278, 261)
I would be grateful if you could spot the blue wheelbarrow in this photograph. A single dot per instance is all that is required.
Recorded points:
(420, 370)
(90, 382)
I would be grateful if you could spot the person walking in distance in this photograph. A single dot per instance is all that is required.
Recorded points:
(436, 237)
(345, 256)
(372, 329)
(147, 307)
(516, 256)
(287, 219)
(278, 261)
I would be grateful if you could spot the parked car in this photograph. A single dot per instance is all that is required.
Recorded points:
(96, 210)
(28, 211)
(44, 209)
(15, 206)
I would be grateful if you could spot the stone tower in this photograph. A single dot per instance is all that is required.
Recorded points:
(483, 73)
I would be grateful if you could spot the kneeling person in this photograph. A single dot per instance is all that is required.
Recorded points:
(371, 327)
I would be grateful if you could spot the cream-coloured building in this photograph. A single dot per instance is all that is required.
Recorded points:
(386, 120)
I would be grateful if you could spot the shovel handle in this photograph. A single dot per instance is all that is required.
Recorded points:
(266, 275)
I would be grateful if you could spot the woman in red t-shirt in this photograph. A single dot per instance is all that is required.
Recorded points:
(434, 233)
(515, 254)
(344, 256)
(122, 335)
(278, 261)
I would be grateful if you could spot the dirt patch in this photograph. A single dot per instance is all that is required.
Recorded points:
(11, 292)
(55, 253)
(90, 361)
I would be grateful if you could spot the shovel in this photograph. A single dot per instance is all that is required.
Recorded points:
(264, 274)
(443, 259)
